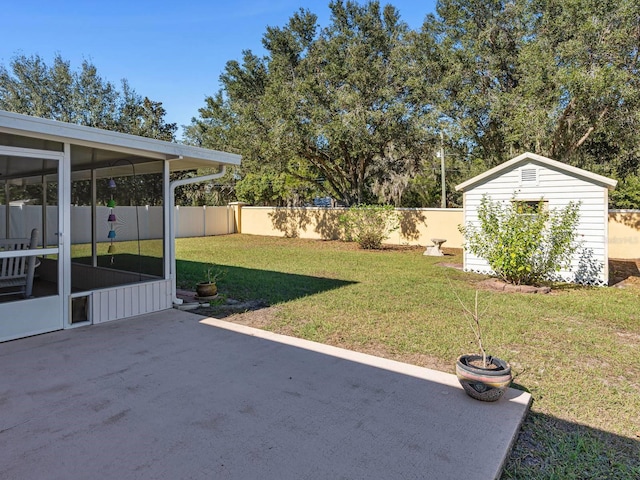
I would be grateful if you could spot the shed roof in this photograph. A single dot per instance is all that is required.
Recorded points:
(95, 147)
(532, 157)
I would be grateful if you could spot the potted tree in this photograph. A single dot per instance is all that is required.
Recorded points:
(209, 288)
(482, 376)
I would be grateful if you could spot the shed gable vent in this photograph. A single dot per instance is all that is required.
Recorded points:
(529, 175)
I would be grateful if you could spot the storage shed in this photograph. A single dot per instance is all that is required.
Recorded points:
(534, 178)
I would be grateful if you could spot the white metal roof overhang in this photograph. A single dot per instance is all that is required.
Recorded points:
(108, 153)
(548, 162)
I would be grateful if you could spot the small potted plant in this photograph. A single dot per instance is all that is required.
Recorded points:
(209, 289)
(482, 376)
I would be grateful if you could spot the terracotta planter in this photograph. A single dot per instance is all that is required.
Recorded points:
(486, 384)
(206, 289)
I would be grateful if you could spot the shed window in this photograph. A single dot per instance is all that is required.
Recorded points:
(530, 207)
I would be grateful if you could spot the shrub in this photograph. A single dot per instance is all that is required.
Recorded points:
(369, 225)
(523, 245)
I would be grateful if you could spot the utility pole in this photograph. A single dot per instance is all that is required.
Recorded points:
(443, 201)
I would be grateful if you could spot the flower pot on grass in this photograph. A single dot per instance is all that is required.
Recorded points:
(206, 289)
(209, 288)
(487, 383)
(482, 376)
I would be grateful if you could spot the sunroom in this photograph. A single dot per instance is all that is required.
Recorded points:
(86, 222)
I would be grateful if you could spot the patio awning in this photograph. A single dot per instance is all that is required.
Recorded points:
(109, 153)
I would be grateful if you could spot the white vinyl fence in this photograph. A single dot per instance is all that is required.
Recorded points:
(145, 221)
(421, 224)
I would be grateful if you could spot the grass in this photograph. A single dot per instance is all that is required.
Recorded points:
(575, 350)
(150, 261)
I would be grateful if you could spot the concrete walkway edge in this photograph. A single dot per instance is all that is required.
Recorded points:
(512, 395)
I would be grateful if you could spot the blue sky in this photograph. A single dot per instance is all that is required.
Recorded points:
(172, 52)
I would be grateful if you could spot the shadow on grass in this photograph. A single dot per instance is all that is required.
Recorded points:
(128, 262)
(567, 287)
(551, 448)
(248, 284)
(520, 387)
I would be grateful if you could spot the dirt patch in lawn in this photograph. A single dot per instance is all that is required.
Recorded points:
(624, 273)
(457, 266)
(253, 313)
(254, 318)
(499, 285)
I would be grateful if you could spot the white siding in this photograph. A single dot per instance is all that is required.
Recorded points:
(29, 317)
(557, 188)
(130, 300)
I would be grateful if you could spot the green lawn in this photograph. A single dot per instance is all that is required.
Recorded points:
(576, 350)
(149, 260)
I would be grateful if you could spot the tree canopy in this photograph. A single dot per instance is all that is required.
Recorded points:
(355, 109)
(32, 87)
(327, 111)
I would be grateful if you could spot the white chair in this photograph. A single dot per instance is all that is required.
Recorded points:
(18, 271)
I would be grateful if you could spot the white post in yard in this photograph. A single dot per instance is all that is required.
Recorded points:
(443, 201)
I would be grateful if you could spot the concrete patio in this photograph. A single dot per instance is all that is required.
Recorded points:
(172, 395)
